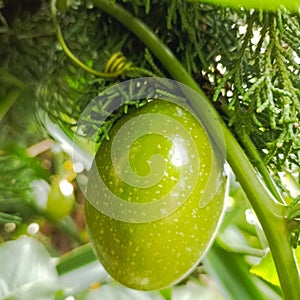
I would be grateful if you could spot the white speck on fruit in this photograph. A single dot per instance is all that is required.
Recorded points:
(145, 281)
(179, 111)
(163, 211)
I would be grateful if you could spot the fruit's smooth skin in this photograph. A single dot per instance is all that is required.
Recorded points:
(155, 254)
(292, 5)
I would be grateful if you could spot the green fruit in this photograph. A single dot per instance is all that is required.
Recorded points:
(258, 4)
(60, 199)
(151, 248)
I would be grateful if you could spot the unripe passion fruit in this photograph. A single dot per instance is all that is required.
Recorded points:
(60, 198)
(144, 250)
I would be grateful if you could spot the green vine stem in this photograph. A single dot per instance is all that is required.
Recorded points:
(269, 211)
(260, 165)
(75, 60)
(66, 225)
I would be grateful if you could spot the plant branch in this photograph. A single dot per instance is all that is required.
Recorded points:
(260, 165)
(268, 210)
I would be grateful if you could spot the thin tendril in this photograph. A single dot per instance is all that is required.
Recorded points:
(116, 71)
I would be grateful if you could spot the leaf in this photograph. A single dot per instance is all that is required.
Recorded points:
(166, 293)
(266, 268)
(27, 271)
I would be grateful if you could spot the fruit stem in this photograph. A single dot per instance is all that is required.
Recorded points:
(268, 210)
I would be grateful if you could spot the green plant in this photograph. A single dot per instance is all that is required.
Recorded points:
(246, 61)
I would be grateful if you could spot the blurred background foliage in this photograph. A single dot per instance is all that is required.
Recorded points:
(246, 61)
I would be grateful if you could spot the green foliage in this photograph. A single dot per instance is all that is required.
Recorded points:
(247, 61)
(261, 85)
(252, 74)
(17, 172)
(266, 268)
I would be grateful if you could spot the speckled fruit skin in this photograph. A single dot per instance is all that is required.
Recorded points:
(157, 254)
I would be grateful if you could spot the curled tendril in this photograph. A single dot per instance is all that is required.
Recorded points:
(115, 66)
